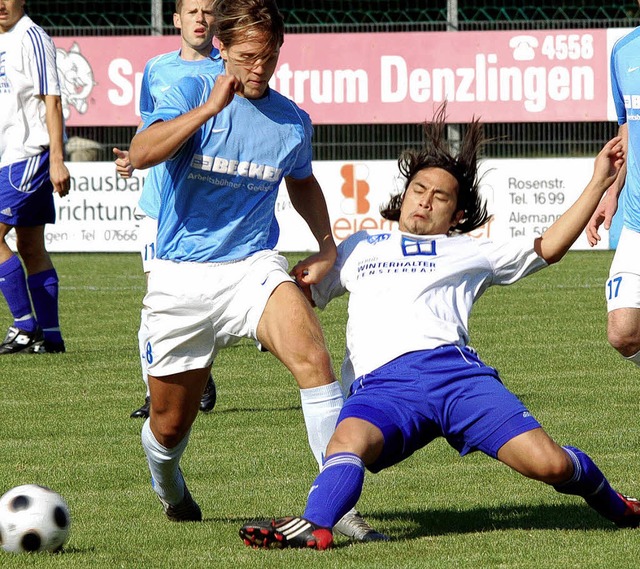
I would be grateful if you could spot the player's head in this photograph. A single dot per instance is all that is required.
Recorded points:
(194, 19)
(441, 192)
(250, 33)
(10, 12)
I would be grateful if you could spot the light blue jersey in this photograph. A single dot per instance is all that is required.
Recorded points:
(160, 74)
(625, 84)
(218, 197)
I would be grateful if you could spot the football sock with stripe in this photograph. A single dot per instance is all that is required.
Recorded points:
(589, 482)
(13, 284)
(335, 490)
(43, 288)
(164, 465)
(320, 408)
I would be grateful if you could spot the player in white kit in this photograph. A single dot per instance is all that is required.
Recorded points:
(31, 169)
(415, 377)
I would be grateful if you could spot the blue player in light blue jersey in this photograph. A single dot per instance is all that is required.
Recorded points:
(416, 379)
(623, 285)
(228, 142)
(196, 56)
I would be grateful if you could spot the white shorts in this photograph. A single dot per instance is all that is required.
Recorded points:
(192, 310)
(623, 285)
(148, 233)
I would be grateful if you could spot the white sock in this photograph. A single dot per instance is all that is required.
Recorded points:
(635, 359)
(164, 465)
(320, 408)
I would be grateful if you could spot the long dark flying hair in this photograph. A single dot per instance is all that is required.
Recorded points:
(437, 153)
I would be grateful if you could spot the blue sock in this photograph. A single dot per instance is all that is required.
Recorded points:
(589, 482)
(13, 286)
(43, 287)
(335, 490)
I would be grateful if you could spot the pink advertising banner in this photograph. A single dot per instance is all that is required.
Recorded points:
(500, 76)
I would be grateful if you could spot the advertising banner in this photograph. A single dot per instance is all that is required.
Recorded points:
(362, 78)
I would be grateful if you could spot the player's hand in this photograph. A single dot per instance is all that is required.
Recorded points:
(224, 89)
(314, 268)
(123, 165)
(60, 178)
(602, 216)
(606, 168)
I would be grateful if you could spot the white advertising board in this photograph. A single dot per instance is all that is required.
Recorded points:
(524, 195)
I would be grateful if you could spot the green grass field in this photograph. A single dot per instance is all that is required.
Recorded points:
(64, 423)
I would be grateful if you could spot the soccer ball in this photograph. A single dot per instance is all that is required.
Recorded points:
(33, 518)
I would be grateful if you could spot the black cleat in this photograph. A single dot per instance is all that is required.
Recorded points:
(19, 341)
(47, 347)
(208, 400)
(186, 511)
(286, 532)
(142, 412)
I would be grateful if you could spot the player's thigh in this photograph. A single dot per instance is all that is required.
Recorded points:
(290, 329)
(536, 455)
(624, 323)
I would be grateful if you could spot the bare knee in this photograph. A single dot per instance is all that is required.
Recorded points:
(623, 331)
(168, 428)
(535, 455)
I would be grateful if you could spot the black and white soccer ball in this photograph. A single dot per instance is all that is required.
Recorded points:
(33, 518)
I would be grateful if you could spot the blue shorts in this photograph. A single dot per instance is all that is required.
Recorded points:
(447, 392)
(26, 192)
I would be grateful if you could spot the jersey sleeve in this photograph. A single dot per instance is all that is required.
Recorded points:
(511, 260)
(41, 62)
(186, 95)
(302, 167)
(334, 283)
(146, 100)
(616, 92)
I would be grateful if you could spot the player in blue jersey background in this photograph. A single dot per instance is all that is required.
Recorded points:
(416, 379)
(196, 56)
(228, 142)
(622, 288)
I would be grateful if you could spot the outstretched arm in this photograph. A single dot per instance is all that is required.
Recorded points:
(163, 139)
(609, 205)
(308, 200)
(556, 241)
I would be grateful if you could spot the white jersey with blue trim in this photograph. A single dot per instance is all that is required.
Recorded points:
(411, 292)
(218, 197)
(625, 85)
(27, 71)
(160, 74)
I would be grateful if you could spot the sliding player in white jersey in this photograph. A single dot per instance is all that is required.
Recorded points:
(416, 377)
(196, 56)
(31, 169)
(228, 143)
(622, 289)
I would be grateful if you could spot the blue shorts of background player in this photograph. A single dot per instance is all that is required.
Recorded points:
(26, 206)
(26, 192)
